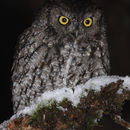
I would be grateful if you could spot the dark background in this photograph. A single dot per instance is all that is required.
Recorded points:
(16, 15)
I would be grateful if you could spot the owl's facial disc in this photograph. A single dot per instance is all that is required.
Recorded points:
(66, 22)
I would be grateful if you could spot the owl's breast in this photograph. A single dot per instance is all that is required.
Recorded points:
(74, 64)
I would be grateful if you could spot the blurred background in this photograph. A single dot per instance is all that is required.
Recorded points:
(16, 15)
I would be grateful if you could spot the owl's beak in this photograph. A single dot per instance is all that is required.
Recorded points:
(75, 34)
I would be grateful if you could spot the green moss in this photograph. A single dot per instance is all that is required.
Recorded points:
(73, 118)
(35, 114)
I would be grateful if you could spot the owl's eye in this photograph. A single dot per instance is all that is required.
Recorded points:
(88, 22)
(63, 20)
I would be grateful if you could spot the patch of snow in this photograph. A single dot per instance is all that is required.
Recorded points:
(126, 82)
(120, 91)
(3, 126)
(61, 108)
(100, 81)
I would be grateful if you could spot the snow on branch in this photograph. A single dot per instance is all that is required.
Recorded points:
(78, 108)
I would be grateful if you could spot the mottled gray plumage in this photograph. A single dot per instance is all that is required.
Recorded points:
(51, 55)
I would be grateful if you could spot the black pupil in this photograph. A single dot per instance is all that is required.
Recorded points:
(87, 21)
(64, 20)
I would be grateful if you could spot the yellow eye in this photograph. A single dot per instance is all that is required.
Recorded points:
(63, 20)
(88, 22)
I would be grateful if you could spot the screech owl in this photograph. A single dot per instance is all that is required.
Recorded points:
(65, 46)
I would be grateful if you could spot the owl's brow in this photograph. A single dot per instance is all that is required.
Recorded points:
(75, 20)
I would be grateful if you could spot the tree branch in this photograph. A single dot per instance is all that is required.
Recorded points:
(101, 95)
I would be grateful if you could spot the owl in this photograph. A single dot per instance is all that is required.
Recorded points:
(64, 47)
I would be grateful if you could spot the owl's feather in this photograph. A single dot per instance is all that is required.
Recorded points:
(51, 55)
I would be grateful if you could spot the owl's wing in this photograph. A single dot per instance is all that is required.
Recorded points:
(28, 62)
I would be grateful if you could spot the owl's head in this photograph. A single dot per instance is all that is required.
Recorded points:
(78, 19)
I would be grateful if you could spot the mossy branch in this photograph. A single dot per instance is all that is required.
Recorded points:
(86, 115)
